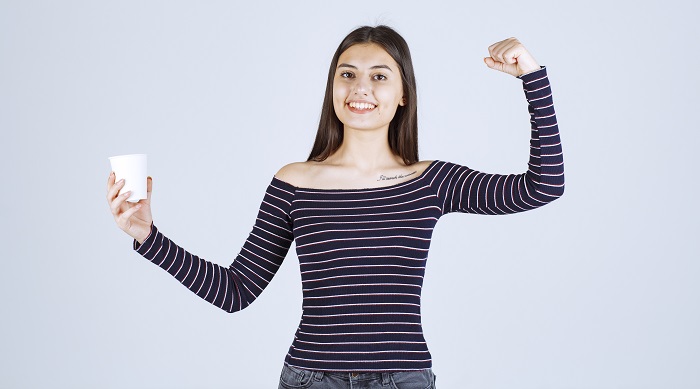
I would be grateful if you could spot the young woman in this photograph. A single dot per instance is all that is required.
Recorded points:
(362, 209)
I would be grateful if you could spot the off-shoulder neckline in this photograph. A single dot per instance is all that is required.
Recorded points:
(421, 176)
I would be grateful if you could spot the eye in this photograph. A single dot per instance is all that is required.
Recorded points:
(379, 77)
(346, 75)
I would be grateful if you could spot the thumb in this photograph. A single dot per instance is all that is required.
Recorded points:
(493, 64)
(149, 188)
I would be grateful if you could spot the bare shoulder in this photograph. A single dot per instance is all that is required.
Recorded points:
(294, 173)
(422, 165)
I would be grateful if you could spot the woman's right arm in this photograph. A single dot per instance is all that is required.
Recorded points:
(230, 288)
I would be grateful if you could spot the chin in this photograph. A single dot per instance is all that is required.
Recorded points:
(365, 126)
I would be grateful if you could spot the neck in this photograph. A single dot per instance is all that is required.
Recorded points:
(365, 150)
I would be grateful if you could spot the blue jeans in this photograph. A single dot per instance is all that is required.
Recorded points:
(296, 378)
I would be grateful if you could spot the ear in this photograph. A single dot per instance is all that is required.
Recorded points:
(403, 101)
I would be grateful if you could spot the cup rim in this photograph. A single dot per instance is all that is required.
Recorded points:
(125, 156)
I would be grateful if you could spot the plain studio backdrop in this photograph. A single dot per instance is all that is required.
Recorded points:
(596, 290)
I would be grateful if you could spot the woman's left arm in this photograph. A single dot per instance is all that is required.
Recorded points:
(461, 189)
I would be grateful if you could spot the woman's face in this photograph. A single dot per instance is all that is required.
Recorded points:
(367, 87)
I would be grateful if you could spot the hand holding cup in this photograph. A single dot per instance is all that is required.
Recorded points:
(133, 218)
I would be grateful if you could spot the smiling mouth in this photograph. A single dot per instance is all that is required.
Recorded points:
(360, 107)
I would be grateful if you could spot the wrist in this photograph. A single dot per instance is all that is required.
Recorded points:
(145, 236)
(529, 70)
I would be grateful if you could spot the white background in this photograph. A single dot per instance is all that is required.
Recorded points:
(597, 290)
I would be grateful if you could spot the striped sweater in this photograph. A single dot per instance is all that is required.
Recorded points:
(363, 252)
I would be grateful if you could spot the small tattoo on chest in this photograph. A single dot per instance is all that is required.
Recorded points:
(395, 177)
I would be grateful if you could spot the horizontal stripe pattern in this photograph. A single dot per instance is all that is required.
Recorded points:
(233, 288)
(363, 252)
(461, 189)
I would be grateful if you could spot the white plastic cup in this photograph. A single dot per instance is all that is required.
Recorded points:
(133, 168)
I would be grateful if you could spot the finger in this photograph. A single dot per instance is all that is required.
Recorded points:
(503, 52)
(124, 217)
(116, 204)
(496, 49)
(114, 189)
(511, 54)
(110, 183)
(149, 188)
(498, 45)
(110, 180)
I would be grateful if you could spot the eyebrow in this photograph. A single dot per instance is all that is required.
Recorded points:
(347, 65)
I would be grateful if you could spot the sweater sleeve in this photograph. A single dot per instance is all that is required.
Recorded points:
(234, 287)
(461, 189)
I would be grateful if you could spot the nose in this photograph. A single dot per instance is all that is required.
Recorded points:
(361, 87)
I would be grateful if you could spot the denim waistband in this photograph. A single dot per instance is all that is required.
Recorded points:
(356, 376)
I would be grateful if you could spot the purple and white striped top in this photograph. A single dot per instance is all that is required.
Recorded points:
(363, 252)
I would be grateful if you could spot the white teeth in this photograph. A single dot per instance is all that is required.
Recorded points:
(361, 105)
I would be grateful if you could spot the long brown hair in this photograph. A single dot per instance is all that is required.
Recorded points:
(403, 128)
